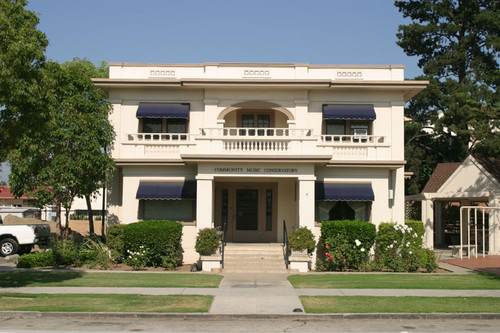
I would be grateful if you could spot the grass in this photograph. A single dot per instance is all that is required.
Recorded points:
(104, 303)
(79, 279)
(369, 304)
(397, 281)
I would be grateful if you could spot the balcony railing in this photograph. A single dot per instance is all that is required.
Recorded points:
(157, 137)
(331, 139)
(249, 132)
(242, 140)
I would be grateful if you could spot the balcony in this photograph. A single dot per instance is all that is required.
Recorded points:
(253, 141)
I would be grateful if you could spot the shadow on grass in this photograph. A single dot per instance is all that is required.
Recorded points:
(21, 278)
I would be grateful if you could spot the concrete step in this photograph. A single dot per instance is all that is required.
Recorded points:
(254, 258)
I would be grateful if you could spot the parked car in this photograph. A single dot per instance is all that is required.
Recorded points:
(21, 238)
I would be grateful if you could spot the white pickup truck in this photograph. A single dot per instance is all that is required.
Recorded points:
(21, 238)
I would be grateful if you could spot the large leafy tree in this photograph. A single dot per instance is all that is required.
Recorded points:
(22, 48)
(458, 44)
(68, 157)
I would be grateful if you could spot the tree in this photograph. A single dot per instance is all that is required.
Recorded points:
(22, 48)
(458, 44)
(67, 157)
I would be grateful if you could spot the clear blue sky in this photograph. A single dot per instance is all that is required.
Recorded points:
(338, 32)
(197, 31)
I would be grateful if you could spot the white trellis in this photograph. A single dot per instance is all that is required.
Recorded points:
(472, 220)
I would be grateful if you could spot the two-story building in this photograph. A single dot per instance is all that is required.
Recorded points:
(257, 145)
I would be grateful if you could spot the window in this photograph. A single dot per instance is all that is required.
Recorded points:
(347, 127)
(343, 210)
(251, 120)
(176, 125)
(152, 125)
(183, 210)
(335, 127)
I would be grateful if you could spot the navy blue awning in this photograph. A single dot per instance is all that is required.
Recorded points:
(163, 110)
(166, 190)
(344, 192)
(349, 112)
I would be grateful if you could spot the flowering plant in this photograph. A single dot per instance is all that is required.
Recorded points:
(398, 247)
(137, 259)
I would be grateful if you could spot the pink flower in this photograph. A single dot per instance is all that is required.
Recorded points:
(344, 259)
(326, 246)
(336, 251)
(327, 254)
(331, 258)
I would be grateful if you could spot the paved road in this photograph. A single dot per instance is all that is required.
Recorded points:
(245, 325)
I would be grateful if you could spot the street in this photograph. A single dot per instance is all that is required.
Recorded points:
(213, 324)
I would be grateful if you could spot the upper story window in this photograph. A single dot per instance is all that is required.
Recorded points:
(347, 127)
(348, 119)
(163, 117)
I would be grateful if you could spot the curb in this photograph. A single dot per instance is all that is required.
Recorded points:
(211, 316)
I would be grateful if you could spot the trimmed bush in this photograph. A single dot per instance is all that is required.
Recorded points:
(35, 259)
(159, 239)
(345, 244)
(302, 239)
(207, 241)
(114, 241)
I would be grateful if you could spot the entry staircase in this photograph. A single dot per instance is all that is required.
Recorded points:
(254, 258)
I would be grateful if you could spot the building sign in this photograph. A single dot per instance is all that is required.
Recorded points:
(256, 170)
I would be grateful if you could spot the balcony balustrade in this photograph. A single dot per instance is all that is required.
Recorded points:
(243, 140)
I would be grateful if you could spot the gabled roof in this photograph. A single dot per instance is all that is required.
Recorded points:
(491, 164)
(440, 175)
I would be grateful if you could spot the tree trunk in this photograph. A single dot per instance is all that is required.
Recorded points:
(58, 219)
(90, 214)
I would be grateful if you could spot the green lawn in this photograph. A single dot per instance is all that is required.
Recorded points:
(396, 281)
(104, 303)
(368, 304)
(78, 279)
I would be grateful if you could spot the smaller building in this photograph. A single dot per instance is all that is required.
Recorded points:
(474, 182)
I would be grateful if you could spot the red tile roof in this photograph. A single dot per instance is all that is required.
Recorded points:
(440, 175)
(5, 193)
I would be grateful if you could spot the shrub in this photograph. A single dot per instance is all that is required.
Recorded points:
(35, 259)
(207, 241)
(64, 252)
(398, 247)
(417, 227)
(137, 260)
(161, 238)
(302, 239)
(93, 251)
(429, 260)
(345, 244)
(114, 241)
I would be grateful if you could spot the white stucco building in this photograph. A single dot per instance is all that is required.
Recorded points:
(257, 145)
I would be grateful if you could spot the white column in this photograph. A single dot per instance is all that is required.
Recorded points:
(306, 202)
(494, 226)
(204, 202)
(428, 220)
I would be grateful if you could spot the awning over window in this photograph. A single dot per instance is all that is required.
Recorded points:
(344, 192)
(349, 112)
(163, 110)
(166, 190)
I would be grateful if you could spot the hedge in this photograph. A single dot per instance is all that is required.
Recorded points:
(345, 244)
(159, 240)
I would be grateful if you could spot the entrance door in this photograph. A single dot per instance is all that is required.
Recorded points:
(249, 209)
